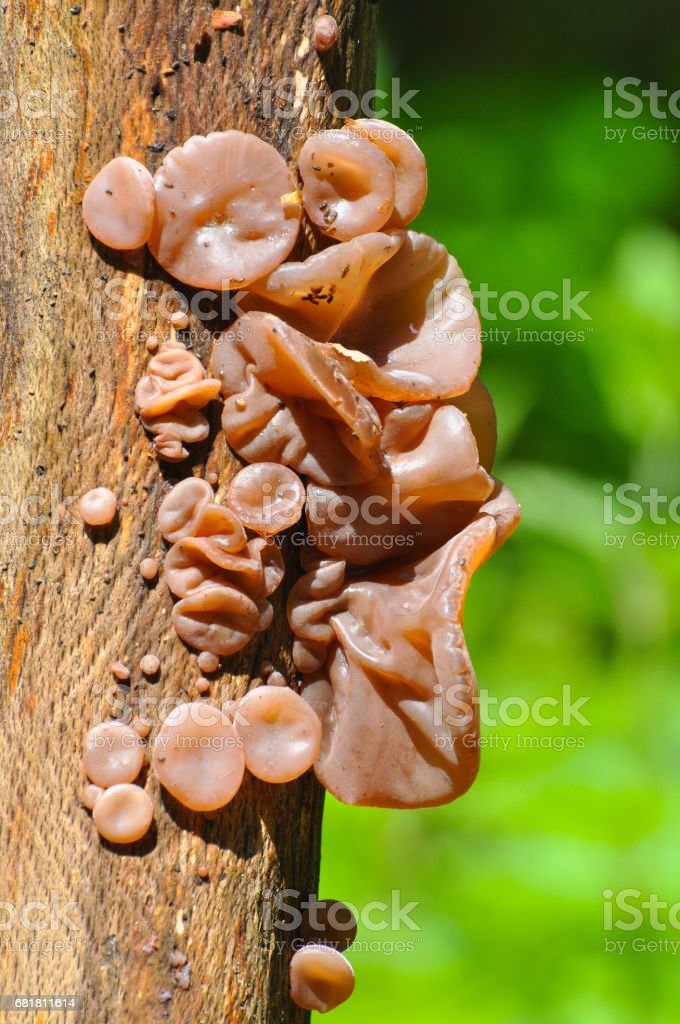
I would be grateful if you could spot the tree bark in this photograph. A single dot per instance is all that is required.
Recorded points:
(80, 86)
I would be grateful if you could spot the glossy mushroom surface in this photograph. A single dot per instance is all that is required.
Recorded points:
(280, 731)
(198, 756)
(408, 161)
(226, 210)
(98, 507)
(112, 754)
(190, 510)
(119, 204)
(321, 978)
(123, 814)
(285, 402)
(348, 184)
(266, 497)
(329, 923)
(325, 33)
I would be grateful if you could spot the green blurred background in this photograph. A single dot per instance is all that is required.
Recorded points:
(525, 191)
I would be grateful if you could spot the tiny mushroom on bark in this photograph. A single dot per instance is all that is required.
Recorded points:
(112, 753)
(321, 978)
(119, 204)
(281, 733)
(123, 813)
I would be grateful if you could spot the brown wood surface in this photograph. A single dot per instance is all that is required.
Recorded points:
(80, 86)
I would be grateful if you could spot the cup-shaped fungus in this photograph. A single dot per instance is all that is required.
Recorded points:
(119, 204)
(415, 335)
(190, 510)
(325, 33)
(408, 162)
(318, 294)
(198, 756)
(97, 507)
(321, 978)
(112, 753)
(432, 484)
(285, 402)
(266, 497)
(169, 397)
(348, 184)
(281, 733)
(388, 673)
(329, 923)
(227, 210)
(123, 813)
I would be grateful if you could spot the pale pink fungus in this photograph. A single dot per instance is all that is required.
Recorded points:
(202, 685)
(325, 32)
(190, 510)
(149, 664)
(275, 678)
(281, 733)
(321, 978)
(90, 795)
(198, 757)
(142, 726)
(97, 507)
(267, 497)
(408, 162)
(148, 568)
(123, 814)
(348, 184)
(227, 210)
(120, 671)
(179, 319)
(208, 662)
(119, 204)
(112, 753)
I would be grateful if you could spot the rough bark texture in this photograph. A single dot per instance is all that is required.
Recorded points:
(78, 88)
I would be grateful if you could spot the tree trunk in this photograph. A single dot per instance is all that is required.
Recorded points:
(80, 87)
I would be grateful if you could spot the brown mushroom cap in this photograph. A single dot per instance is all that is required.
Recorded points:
(266, 497)
(123, 813)
(321, 978)
(198, 756)
(97, 507)
(224, 214)
(284, 402)
(329, 923)
(348, 184)
(281, 733)
(325, 32)
(408, 162)
(415, 335)
(119, 204)
(112, 753)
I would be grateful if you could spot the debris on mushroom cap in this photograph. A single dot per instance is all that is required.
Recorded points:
(281, 733)
(198, 757)
(123, 814)
(169, 397)
(431, 486)
(266, 497)
(317, 295)
(112, 753)
(284, 402)
(329, 923)
(417, 322)
(219, 220)
(408, 162)
(97, 507)
(391, 637)
(348, 184)
(321, 978)
(190, 510)
(119, 204)
(325, 32)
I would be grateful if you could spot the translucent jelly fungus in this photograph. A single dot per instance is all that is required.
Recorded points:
(120, 671)
(148, 568)
(325, 33)
(321, 978)
(281, 733)
(90, 795)
(208, 662)
(123, 814)
(98, 507)
(227, 210)
(149, 665)
(267, 497)
(112, 753)
(408, 162)
(198, 756)
(119, 204)
(169, 399)
(190, 510)
(330, 923)
(348, 184)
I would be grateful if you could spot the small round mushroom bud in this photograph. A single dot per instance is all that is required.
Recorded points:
(208, 662)
(97, 507)
(227, 210)
(123, 814)
(142, 726)
(408, 161)
(330, 923)
(149, 664)
(325, 32)
(321, 978)
(276, 679)
(112, 754)
(120, 671)
(267, 497)
(119, 204)
(212, 477)
(198, 756)
(148, 567)
(90, 795)
(348, 184)
(280, 731)
(179, 320)
(202, 684)
(152, 343)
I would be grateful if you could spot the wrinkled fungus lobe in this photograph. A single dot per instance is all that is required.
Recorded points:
(119, 204)
(280, 731)
(123, 814)
(321, 978)
(266, 497)
(226, 210)
(112, 754)
(408, 161)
